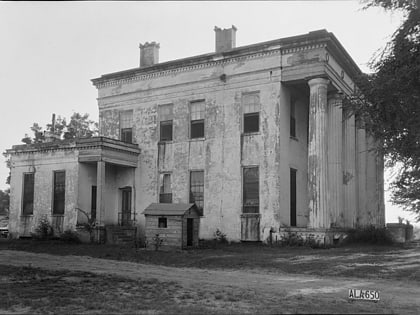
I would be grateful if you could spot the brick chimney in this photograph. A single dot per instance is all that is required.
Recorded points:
(225, 38)
(149, 54)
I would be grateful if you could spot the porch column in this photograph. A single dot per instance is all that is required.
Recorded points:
(317, 154)
(349, 169)
(335, 151)
(100, 193)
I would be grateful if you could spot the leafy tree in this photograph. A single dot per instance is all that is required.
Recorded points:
(79, 126)
(389, 102)
(4, 201)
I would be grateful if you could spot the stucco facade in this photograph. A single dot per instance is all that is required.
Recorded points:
(337, 174)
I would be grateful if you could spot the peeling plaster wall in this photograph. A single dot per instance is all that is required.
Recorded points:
(224, 151)
(43, 164)
(87, 179)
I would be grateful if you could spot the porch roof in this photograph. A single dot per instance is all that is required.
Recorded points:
(177, 209)
(108, 150)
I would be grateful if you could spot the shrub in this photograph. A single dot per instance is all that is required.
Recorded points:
(220, 237)
(70, 236)
(291, 239)
(370, 235)
(157, 241)
(44, 230)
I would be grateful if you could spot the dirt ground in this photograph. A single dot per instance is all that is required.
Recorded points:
(321, 294)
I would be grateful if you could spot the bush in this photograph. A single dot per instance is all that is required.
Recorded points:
(220, 237)
(44, 230)
(70, 236)
(370, 235)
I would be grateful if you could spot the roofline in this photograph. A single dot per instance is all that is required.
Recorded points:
(283, 43)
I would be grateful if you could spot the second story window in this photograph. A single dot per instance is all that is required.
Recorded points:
(165, 190)
(126, 126)
(251, 110)
(197, 110)
(166, 122)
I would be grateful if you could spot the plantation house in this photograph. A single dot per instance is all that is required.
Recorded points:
(255, 136)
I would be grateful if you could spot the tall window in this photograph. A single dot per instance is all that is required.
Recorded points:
(293, 197)
(197, 110)
(292, 119)
(93, 203)
(251, 193)
(251, 110)
(126, 126)
(197, 189)
(28, 194)
(59, 192)
(165, 193)
(166, 122)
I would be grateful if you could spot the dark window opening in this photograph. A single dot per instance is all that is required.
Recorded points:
(251, 122)
(93, 203)
(292, 120)
(59, 192)
(125, 215)
(163, 223)
(166, 130)
(251, 194)
(28, 194)
(197, 189)
(293, 197)
(127, 135)
(197, 129)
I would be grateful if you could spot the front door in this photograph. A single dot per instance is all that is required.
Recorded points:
(190, 229)
(125, 216)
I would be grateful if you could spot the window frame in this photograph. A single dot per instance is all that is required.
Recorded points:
(124, 132)
(244, 191)
(250, 109)
(31, 212)
(192, 198)
(166, 117)
(165, 197)
(164, 221)
(126, 123)
(293, 128)
(63, 199)
(197, 118)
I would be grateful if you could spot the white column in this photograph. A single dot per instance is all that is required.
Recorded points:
(317, 154)
(361, 219)
(335, 151)
(349, 170)
(100, 193)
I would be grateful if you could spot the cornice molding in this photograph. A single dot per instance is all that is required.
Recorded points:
(218, 60)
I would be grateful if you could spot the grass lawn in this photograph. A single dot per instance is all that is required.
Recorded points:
(37, 291)
(353, 261)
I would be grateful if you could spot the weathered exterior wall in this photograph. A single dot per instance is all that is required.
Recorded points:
(43, 164)
(351, 176)
(171, 236)
(224, 150)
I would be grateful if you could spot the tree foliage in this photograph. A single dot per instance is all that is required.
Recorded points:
(389, 102)
(4, 201)
(79, 126)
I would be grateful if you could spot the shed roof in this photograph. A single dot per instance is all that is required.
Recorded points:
(169, 208)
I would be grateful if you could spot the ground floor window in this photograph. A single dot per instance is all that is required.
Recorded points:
(197, 189)
(251, 194)
(59, 192)
(28, 194)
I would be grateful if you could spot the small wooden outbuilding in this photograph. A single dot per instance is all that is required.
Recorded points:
(172, 225)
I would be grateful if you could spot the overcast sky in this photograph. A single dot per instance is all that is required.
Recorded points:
(51, 50)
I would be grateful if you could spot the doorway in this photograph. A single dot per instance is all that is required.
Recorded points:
(125, 214)
(190, 230)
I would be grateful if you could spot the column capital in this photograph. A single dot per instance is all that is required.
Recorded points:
(318, 81)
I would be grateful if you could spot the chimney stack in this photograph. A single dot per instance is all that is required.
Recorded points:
(149, 54)
(225, 38)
